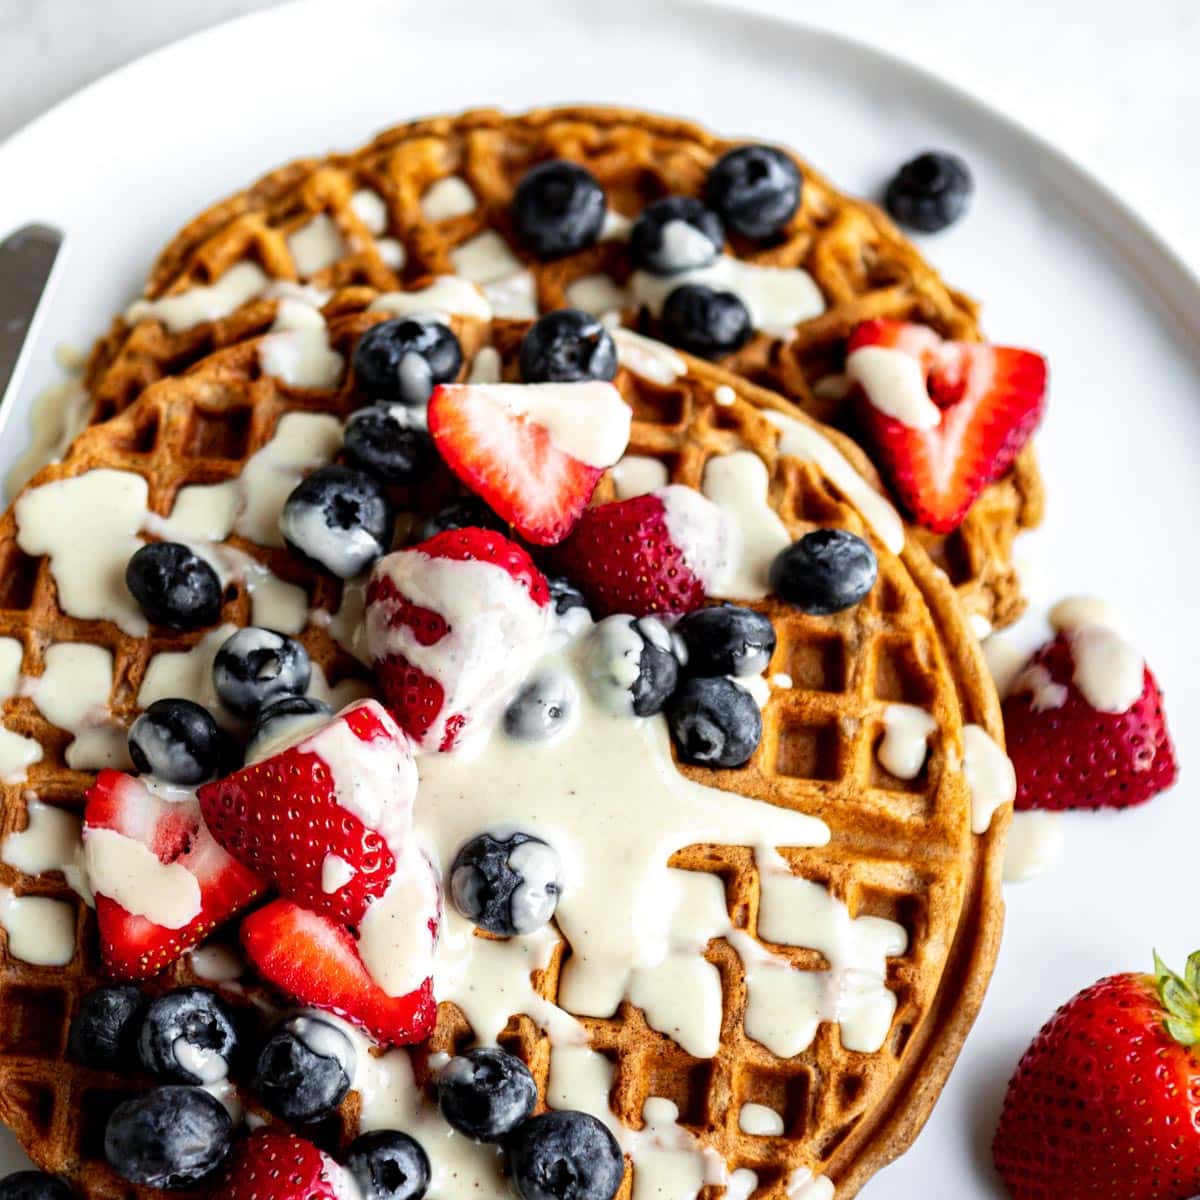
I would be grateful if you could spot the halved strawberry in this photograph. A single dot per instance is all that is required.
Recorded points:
(534, 452)
(272, 1165)
(322, 819)
(162, 883)
(943, 431)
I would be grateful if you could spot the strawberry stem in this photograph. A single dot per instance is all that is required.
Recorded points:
(1180, 998)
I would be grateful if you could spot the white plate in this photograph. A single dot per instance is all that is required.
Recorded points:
(1063, 265)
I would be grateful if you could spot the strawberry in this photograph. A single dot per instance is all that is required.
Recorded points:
(945, 431)
(662, 552)
(316, 962)
(152, 860)
(272, 1165)
(534, 452)
(1106, 1102)
(321, 819)
(453, 624)
(1070, 754)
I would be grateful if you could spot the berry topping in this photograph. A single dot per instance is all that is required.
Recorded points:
(401, 361)
(567, 346)
(391, 442)
(174, 586)
(534, 452)
(339, 518)
(305, 1069)
(705, 322)
(929, 192)
(169, 1137)
(34, 1185)
(558, 208)
(756, 189)
(508, 887)
(283, 721)
(630, 665)
(727, 640)
(470, 512)
(258, 666)
(188, 1036)
(486, 1093)
(714, 722)
(825, 572)
(176, 741)
(105, 1029)
(388, 1165)
(543, 708)
(674, 234)
(271, 1165)
(564, 595)
(565, 1156)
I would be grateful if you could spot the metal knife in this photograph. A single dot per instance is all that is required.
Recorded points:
(27, 260)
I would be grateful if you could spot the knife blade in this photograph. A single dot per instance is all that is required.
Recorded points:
(27, 259)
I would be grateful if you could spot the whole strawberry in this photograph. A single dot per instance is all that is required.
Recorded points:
(1106, 1102)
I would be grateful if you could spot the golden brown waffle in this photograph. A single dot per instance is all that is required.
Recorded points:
(898, 850)
(864, 267)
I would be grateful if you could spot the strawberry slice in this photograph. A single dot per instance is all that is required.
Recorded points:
(534, 452)
(162, 882)
(321, 820)
(272, 1165)
(946, 418)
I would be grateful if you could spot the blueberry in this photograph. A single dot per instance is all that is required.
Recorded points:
(174, 586)
(756, 189)
(676, 233)
(188, 1036)
(257, 666)
(34, 1185)
(542, 708)
(392, 442)
(486, 1093)
(714, 722)
(305, 1069)
(168, 1137)
(825, 572)
(104, 1031)
(727, 640)
(388, 1165)
(462, 514)
(564, 595)
(281, 720)
(401, 361)
(567, 346)
(176, 741)
(629, 665)
(507, 886)
(564, 1155)
(340, 518)
(929, 192)
(704, 322)
(558, 208)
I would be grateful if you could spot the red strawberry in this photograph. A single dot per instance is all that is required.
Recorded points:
(942, 443)
(272, 1165)
(316, 962)
(534, 452)
(452, 625)
(1106, 1102)
(1070, 754)
(658, 553)
(321, 820)
(152, 860)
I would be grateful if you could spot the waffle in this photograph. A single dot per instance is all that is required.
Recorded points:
(864, 267)
(899, 850)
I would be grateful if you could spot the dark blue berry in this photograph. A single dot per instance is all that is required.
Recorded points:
(169, 1137)
(174, 586)
(564, 1155)
(388, 1165)
(282, 719)
(727, 640)
(34, 1185)
(825, 572)
(542, 708)
(339, 517)
(462, 514)
(558, 208)
(105, 1029)
(756, 189)
(567, 346)
(486, 1093)
(188, 1036)
(929, 192)
(714, 722)
(704, 322)
(676, 233)
(507, 886)
(258, 666)
(630, 665)
(176, 741)
(401, 361)
(305, 1069)
(392, 442)
(564, 595)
